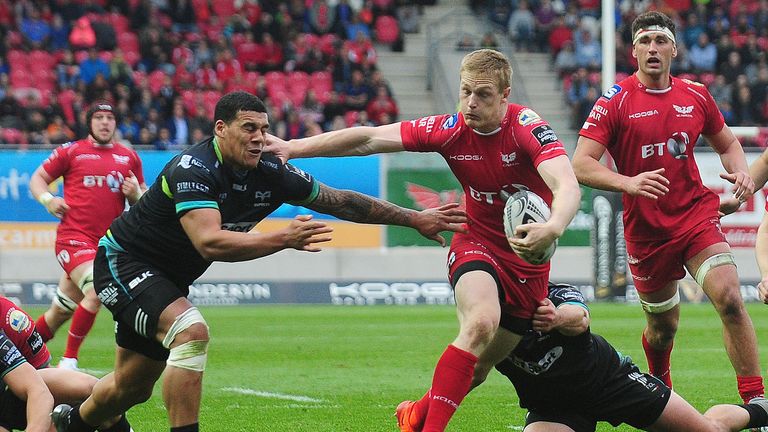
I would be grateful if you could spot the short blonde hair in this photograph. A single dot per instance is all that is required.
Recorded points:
(488, 61)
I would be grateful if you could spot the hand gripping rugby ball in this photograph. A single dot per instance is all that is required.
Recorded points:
(526, 207)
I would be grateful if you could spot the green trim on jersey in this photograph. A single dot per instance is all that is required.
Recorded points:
(312, 196)
(166, 188)
(109, 242)
(217, 150)
(24, 360)
(191, 205)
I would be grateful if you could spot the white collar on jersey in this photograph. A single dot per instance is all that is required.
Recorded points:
(487, 133)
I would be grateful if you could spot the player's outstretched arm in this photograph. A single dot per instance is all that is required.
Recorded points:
(203, 227)
(27, 385)
(761, 253)
(732, 157)
(759, 170)
(590, 172)
(357, 207)
(355, 141)
(568, 319)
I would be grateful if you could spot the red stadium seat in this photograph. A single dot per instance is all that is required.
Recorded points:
(351, 117)
(210, 98)
(20, 78)
(65, 100)
(106, 56)
(202, 11)
(17, 60)
(223, 8)
(386, 29)
(275, 80)
(707, 78)
(321, 82)
(621, 76)
(131, 57)
(128, 41)
(327, 43)
(119, 22)
(13, 136)
(688, 76)
(81, 55)
(156, 80)
(298, 80)
(42, 59)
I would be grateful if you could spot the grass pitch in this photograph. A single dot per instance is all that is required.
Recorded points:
(333, 368)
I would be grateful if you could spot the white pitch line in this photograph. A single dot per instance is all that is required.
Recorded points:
(247, 391)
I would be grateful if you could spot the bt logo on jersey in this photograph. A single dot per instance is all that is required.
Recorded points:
(655, 149)
(112, 180)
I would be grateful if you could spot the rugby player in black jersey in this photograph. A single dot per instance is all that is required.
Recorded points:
(201, 209)
(569, 378)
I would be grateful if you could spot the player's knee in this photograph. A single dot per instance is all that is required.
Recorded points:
(91, 302)
(134, 394)
(480, 330)
(64, 302)
(86, 281)
(187, 340)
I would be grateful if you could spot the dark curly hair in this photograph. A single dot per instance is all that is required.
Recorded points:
(650, 19)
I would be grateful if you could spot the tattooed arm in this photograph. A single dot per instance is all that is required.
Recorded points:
(357, 207)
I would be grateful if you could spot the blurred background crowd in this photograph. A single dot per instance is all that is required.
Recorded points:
(165, 63)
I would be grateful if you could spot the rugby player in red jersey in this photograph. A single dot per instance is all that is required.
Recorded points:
(493, 147)
(30, 387)
(649, 123)
(99, 174)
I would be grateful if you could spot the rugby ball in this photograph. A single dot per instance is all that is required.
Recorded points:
(526, 207)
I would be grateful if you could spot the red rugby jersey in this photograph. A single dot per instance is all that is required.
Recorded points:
(93, 177)
(646, 129)
(486, 164)
(20, 329)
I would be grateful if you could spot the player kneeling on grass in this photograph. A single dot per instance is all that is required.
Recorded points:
(570, 378)
(30, 386)
(201, 209)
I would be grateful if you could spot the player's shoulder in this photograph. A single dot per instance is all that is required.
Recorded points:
(199, 157)
(271, 163)
(521, 116)
(683, 85)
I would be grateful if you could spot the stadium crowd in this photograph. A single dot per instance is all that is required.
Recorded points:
(722, 45)
(165, 63)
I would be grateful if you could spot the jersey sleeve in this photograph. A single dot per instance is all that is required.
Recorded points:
(561, 294)
(429, 134)
(536, 137)
(191, 185)
(298, 185)
(58, 162)
(601, 122)
(138, 169)
(10, 356)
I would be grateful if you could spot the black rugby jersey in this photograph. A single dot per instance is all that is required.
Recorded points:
(547, 367)
(196, 178)
(10, 356)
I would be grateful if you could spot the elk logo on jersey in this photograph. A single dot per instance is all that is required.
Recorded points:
(426, 198)
(683, 111)
(507, 159)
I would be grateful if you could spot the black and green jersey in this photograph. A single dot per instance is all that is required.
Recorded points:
(197, 178)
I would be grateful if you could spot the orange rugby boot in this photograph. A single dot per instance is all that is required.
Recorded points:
(403, 413)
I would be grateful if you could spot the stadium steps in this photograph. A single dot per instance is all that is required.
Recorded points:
(545, 94)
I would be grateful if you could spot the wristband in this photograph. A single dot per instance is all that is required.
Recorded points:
(45, 198)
